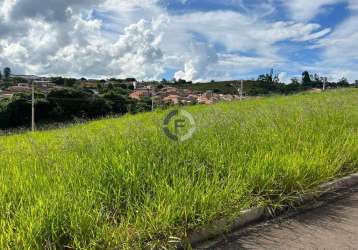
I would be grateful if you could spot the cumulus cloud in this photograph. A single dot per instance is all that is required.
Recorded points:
(142, 38)
(200, 57)
(51, 10)
(137, 51)
(66, 41)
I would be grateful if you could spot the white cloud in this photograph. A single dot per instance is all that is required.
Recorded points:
(76, 45)
(340, 51)
(235, 32)
(137, 51)
(304, 10)
(140, 38)
(200, 57)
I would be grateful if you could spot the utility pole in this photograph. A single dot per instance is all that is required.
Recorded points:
(153, 98)
(240, 89)
(324, 83)
(33, 107)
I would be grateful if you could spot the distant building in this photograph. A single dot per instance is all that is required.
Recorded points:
(23, 85)
(5, 94)
(44, 84)
(140, 93)
(314, 90)
(172, 99)
(137, 85)
(129, 82)
(88, 84)
(167, 91)
(203, 99)
(19, 89)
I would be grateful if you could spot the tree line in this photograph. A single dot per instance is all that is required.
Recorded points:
(68, 104)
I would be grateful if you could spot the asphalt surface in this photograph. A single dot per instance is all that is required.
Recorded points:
(332, 226)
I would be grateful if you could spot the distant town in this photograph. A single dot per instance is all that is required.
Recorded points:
(59, 99)
(163, 92)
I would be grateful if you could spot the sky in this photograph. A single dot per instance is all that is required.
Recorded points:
(195, 40)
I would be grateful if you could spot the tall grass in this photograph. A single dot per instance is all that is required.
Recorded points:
(121, 183)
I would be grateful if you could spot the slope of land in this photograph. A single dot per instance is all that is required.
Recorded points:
(121, 183)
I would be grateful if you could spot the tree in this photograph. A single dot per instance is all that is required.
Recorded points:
(0, 76)
(343, 83)
(7, 72)
(117, 102)
(306, 78)
(164, 81)
(269, 82)
(293, 87)
(58, 80)
(17, 112)
(181, 81)
(295, 81)
(69, 103)
(130, 79)
(70, 82)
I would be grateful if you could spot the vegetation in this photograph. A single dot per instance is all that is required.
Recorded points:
(7, 72)
(83, 99)
(265, 84)
(121, 183)
(68, 104)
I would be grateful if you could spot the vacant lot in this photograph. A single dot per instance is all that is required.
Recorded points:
(121, 183)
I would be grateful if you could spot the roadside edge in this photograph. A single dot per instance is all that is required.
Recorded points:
(252, 215)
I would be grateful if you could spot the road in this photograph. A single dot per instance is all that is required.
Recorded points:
(332, 226)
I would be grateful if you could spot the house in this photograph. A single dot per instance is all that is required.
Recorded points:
(172, 99)
(23, 85)
(19, 89)
(209, 94)
(140, 93)
(5, 94)
(314, 90)
(227, 97)
(129, 82)
(190, 99)
(88, 84)
(203, 99)
(44, 84)
(138, 85)
(168, 91)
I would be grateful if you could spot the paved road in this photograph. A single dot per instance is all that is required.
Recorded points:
(333, 226)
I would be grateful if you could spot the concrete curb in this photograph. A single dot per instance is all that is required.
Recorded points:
(255, 214)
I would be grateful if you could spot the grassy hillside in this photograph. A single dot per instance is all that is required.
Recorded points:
(121, 183)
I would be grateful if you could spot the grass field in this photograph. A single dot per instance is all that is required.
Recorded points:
(121, 183)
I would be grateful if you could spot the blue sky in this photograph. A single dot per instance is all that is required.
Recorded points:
(195, 40)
